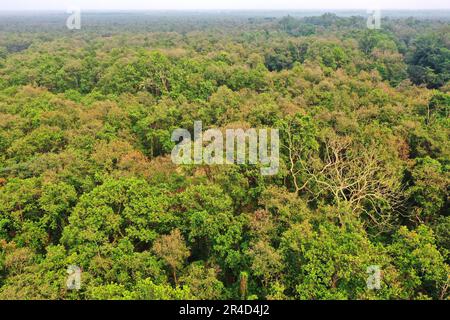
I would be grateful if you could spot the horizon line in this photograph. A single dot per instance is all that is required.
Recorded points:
(229, 9)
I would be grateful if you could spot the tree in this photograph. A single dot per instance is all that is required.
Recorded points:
(203, 282)
(327, 261)
(354, 175)
(427, 193)
(299, 143)
(429, 61)
(172, 250)
(266, 263)
(423, 268)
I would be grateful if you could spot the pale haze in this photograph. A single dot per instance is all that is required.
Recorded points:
(7, 5)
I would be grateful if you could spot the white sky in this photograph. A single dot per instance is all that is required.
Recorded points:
(219, 4)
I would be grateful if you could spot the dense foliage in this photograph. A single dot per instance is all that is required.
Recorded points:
(86, 177)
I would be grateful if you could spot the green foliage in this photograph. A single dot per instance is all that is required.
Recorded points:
(203, 282)
(422, 266)
(430, 61)
(144, 290)
(86, 178)
(429, 189)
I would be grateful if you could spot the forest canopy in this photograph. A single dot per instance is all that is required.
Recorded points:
(86, 177)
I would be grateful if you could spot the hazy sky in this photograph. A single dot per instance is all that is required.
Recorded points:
(220, 4)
